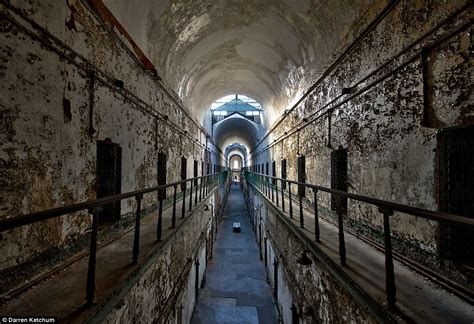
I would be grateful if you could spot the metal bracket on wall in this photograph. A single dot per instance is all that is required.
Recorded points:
(329, 128)
(429, 117)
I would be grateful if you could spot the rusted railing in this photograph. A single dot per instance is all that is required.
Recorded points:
(201, 186)
(269, 187)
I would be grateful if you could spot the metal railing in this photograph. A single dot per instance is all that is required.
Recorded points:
(268, 186)
(201, 186)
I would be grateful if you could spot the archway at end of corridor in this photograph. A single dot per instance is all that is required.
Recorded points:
(236, 123)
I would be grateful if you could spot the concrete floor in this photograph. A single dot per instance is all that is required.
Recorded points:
(236, 289)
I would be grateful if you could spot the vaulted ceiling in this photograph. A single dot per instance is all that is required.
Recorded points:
(270, 50)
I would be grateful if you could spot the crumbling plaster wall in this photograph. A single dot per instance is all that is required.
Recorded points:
(390, 136)
(47, 152)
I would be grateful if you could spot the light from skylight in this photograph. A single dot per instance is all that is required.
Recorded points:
(229, 98)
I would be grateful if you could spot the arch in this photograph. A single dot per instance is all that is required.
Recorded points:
(236, 129)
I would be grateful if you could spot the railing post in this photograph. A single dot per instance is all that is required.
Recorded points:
(316, 215)
(276, 192)
(90, 285)
(389, 268)
(191, 196)
(342, 243)
(136, 238)
(272, 187)
(301, 211)
(173, 216)
(159, 228)
(282, 195)
(196, 183)
(291, 200)
(183, 190)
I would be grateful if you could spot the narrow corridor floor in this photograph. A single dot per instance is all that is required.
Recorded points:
(236, 289)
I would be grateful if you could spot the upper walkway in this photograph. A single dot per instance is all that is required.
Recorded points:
(419, 299)
(61, 291)
(236, 290)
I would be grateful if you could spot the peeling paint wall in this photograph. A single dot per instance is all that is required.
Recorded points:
(53, 114)
(382, 123)
(389, 116)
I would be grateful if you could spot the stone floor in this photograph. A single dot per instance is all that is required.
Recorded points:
(236, 289)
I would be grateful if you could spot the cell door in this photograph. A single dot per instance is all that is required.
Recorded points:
(273, 171)
(109, 178)
(195, 172)
(301, 175)
(179, 319)
(456, 194)
(295, 318)
(184, 171)
(162, 174)
(283, 172)
(339, 176)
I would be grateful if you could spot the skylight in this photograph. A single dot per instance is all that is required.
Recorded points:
(230, 98)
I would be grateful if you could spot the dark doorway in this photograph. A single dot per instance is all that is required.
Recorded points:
(275, 279)
(265, 251)
(273, 173)
(283, 172)
(180, 315)
(162, 174)
(184, 171)
(195, 172)
(456, 196)
(301, 175)
(109, 177)
(339, 176)
(196, 280)
(295, 319)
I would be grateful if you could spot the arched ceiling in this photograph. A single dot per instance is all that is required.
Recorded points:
(270, 50)
(235, 151)
(236, 129)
